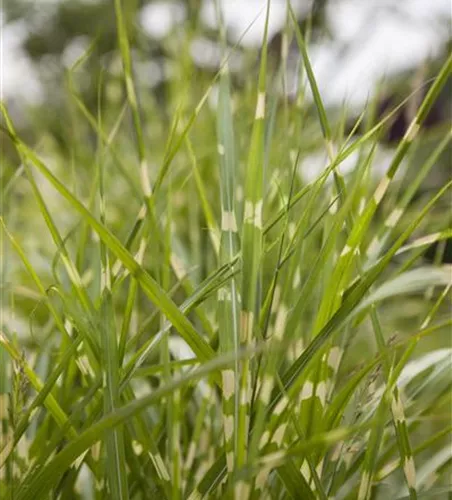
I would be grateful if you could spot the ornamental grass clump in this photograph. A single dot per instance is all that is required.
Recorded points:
(184, 316)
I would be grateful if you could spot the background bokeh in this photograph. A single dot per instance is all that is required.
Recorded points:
(354, 43)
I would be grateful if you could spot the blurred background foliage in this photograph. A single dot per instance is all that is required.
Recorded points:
(177, 68)
(57, 32)
(174, 70)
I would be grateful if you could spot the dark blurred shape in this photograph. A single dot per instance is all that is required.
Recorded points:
(439, 114)
(432, 252)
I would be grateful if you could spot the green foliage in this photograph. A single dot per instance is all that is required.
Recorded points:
(317, 363)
